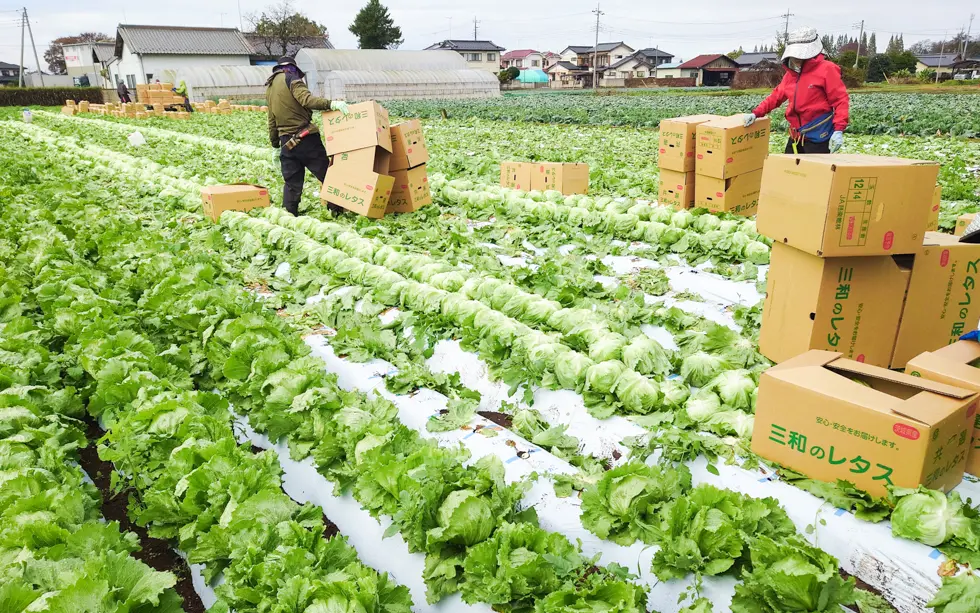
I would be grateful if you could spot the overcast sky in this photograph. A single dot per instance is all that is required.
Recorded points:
(684, 29)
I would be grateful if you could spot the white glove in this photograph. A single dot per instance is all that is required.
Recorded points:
(836, 141)
(749, 119)
(339, 105)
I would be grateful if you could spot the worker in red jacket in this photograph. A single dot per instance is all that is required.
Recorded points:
(818, 101)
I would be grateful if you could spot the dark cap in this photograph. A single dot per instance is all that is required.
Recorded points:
(287, 60)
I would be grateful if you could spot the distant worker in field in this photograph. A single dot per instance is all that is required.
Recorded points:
(123, 92)
(181, 90)
(291, 129)
(818, 102)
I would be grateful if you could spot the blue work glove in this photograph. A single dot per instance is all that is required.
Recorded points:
(339, 105)
(836, 141)
(748, 119)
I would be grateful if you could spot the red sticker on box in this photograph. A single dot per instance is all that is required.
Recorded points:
(860, 358)
(690, 154)
(425, 179)
(700, 157)
(944, 258)
(680, 188)
(729, 160)
(719, 194)
(906, 431)
(404, 186)
(329, 138)
(662, 150)
(369, 187)
(409, 150)
(850, 228)
(935, 208)
(263, 192)
(888, 241)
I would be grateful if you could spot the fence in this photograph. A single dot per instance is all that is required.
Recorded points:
(654, 82)
(518, 85)
(48, 96)
(757, 79)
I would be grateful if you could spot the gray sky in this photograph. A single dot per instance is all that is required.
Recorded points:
(684, 29)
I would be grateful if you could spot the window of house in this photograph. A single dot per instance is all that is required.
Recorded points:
(491, 57)
(474, 57)
(131, 80)
(668, 76)
(619, 57)
(640, 74)
(519, 63)
(149, 77)
(535, 63)
(5, 73)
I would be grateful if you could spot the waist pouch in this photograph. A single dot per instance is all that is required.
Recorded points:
(819, 129)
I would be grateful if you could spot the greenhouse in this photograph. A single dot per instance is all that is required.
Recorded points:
(229, 82)
(357, 75)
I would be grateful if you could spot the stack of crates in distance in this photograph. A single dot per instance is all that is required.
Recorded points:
(728, 164)
(407, 166)
(678, 144)
(159, 93)
(565, 177)
(360, 145)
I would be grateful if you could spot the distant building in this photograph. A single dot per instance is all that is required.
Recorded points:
(477, 53)
(605, 54)
(522, 58)
(571, 54)
(672, 70)
(751, 59)
(89, 60)
(630, 67)
(143, 53)
(967, 69)
(564, 74)
(655, 56)
(941, 63)
(710, 69)
(9, 74)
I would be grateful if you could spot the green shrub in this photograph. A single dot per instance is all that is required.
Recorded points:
(48, 96)
(853, 77)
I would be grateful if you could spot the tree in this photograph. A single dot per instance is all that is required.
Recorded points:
(864, 43)
(872, 45)
(55, 55)
(280, 30)
(736, 53)
(375, 29)
(827, 42)
(509, 74)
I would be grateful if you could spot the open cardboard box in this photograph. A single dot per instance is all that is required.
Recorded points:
(235, 197)
(358, 181)
(410, 192)
(738, 195)
(365, 125)
(832, 418)
(408, 148)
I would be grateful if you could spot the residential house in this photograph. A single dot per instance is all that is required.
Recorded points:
(564, 75)
(266, 50)
(631, 67)
(9, 74)
(605, 54)
(941, 63)
(747, 60)
(143, 53)
(522, 59)
(672, 70)
(571, 54)
(477, 53)
(550, 59)
(710, 69)
(89, 59)
(966, 69)
(655, 56)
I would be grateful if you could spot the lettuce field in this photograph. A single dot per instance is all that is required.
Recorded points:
(505, 401)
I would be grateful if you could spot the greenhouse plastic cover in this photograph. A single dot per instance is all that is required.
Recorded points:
(533, 76)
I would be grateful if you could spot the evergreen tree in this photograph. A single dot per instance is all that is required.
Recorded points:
(828, 44)
(374, 28)
(755, 49)
(872, 45)
(863, 47)
(900, 43)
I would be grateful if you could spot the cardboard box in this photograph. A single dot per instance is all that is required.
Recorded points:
(358, 181)
(154, 87)
(566, 178)
(738, 194)
(365, 125)
(962, 222)
(833, 418)
(932, 224)
(236, 197)
(68, 110)
(726, 148)
(516, 175)
(849, 305)
(676, 189)
(678, 142)
(410, 191)
(952, 365)
(843, 205)
(408, 148)
(943, 301)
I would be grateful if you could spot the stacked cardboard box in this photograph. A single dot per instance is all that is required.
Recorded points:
(409, 156)
(236, 197)
(728, 164)
(567, 178)
(360, 145)
(852, 268)
(962, 222)
(678, 145)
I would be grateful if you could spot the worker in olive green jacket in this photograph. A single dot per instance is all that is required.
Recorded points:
(291, 129)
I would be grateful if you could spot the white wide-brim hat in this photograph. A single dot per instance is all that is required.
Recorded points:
(803, 44)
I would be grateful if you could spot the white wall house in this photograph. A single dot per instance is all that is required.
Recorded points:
(571, 54)
(483, 54)
(143, 53)
(89, 59)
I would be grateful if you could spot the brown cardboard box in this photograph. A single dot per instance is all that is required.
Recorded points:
(365, 125)
(962, 222)
(236, 197)
(943, 301)
(516, 175)
(410, 191)
(678, 142)
(358, 181)
(155, 87)
(68, 110)
(408, 148)
(676, 189)
(850, 305)
(726, 148)
(952, 365)
(738, 194)
(932, 224)
(566, 178)
(833, 418)
(83, 106)
(843, 205)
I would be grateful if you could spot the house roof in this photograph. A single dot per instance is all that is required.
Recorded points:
(466, 45)
(567, 66)
(670, 65)
(178, 40)
(602, 47)
(935, 60)
(7, 66)
(636, 57)
(702, 60)
(750, 59)
(266, 46)
(654, 52)
(104, 51)
(577, 48)
(517, 54)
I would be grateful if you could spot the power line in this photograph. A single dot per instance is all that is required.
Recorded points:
(696, 23)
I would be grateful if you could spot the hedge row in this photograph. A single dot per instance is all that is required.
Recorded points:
(47, 96)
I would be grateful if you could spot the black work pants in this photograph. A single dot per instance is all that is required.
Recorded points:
(805, 146)
(310, 155)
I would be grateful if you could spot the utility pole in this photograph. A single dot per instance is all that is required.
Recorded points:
(942, 50)
(23, 25)
(595, 50)
(966, 41)
(787, 15)
(30, 32)
(475, 23)
(450, 27)
(241, 28)
(857, 56)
